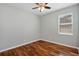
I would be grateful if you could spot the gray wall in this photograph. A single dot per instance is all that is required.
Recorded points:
(49, 27)
(78, 26)
(17, 27)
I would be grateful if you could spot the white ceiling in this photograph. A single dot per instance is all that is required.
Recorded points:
(28, 7)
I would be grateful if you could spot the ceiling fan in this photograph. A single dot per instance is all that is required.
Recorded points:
(41, 6)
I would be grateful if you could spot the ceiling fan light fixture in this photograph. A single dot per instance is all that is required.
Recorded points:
(41, 9)
(41, 6)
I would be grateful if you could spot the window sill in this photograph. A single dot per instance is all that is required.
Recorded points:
(65, 33)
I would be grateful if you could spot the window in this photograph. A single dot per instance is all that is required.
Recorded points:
(65, 24)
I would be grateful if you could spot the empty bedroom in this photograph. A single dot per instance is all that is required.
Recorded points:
(39, 29)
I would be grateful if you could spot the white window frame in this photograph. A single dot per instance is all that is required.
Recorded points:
(59, 23)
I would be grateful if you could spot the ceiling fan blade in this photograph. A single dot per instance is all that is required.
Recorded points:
(46, 3)
(35, 8)
(37, 3)
(46, 7)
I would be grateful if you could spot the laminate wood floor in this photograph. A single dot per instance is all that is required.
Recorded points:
(41, 48)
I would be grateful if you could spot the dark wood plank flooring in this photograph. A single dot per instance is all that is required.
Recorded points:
(41, 48)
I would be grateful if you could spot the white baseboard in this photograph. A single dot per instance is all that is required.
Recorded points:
(38, 40)
(61, 44)
(19, 45)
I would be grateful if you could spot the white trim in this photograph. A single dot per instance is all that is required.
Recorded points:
(19, 45)
(61, 44)
(38, 40)
(65, 23)
(65, 33)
